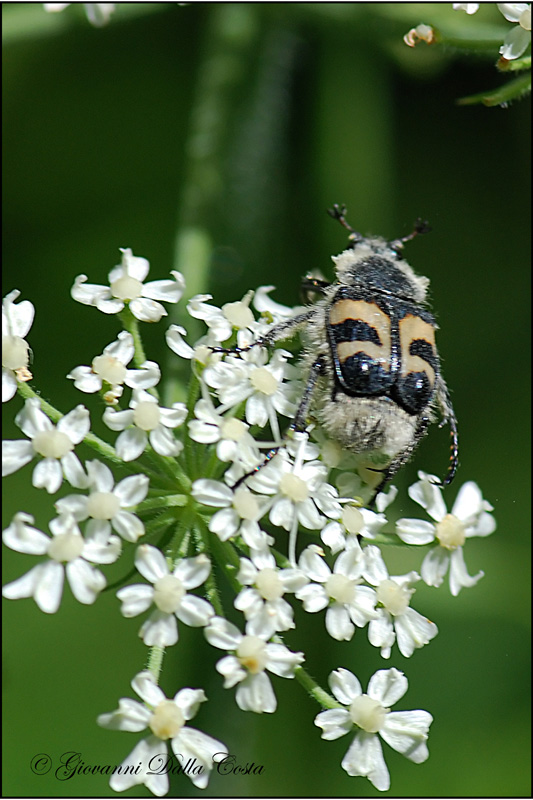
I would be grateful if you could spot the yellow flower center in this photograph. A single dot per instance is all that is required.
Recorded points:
(102, 505)
(252, 655)
(293, 487)
(340, 588)
(14, 352)
(263, 381)
(126, 288)
(368, 714)
(268, 584)
(66, 547)
(451, 532)
(167, 720)
(393, 597)
(52, 444)
(168, 593)
(109, 369)
(146, 415)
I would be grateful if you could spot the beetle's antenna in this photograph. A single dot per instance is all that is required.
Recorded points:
(420, 226)
(339, 213)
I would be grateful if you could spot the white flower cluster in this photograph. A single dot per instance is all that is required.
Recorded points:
(197, 480)
(98, 14)
(515, 43)
(518, 39)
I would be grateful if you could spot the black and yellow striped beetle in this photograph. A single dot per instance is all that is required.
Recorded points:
(374, 381)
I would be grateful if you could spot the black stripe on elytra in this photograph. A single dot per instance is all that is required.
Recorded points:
(425, 350)
(355, 330)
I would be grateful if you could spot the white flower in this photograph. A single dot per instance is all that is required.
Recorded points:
(396, 620)
(348, 603)
(223, 321)
(234, 442)
(54, 443)
(110, 370)
(469, 517)
(68, 552)
(106, 504)
(369, 714)
(250, 657)
(16, 322)
(354, 521)
(260, 384)
(168, 594)
(148, 421)
(519, 37)
(268, 307)
(98, 14)
(384, 499)
(239, 514)
(126, 287)
(470, 8)
(200, 353)
(166, 719)
(422, 33)
(300, 494)
(261, 599)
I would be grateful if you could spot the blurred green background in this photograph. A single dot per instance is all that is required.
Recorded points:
(244, 122)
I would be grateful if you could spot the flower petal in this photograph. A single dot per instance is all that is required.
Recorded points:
(147, 310)
(255, 693)
(406, 732)
(192, 572)
(151, 563)
(135, 599)
(415, 531)
(212, 493)
(131, 490)
(201, 749)
(365, 757)
(338, 623)
(159, 630)
(16, 453)
(345, 686)
(86, 582)
(131, 443)
(195, 611)
(335, 722)
(387, 686)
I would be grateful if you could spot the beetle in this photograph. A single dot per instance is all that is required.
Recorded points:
(374, 382)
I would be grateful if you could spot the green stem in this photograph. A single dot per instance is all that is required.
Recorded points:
(228, 48)
(131, 325)
(103, 448)
(155, 661)
(515, 65)
(316, 691)
(227, 559)
(170, 467)
(503, 95)
(163, 501)
(202, 538)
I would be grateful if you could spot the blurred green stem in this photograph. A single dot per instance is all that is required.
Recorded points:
(229, 44)
(228, 48)
(363, 177)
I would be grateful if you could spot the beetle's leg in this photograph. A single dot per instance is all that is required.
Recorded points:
(299, 422)
(401, 459)
(449, 418)
(280, 331)
(454, 451)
